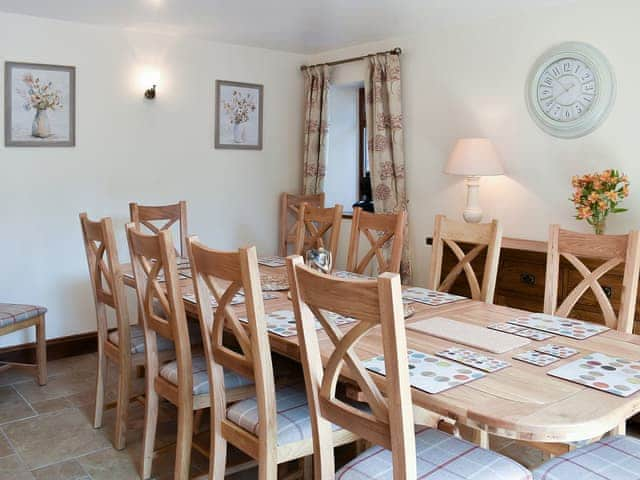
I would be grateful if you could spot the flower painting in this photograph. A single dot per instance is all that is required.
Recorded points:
(238, 115)
(39, 105)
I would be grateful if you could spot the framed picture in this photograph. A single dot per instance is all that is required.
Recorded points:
(238, 115)
(40, 105)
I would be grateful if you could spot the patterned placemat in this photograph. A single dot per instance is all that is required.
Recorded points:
(559, 351)
(521, 331)
(428, 373)
(473, 359)
(566, 327)
(536, 358)
(429, 297)
(272, 261)
(283, 322)
(351, 276)
(274, 283)
(237, 299)
(610, 374)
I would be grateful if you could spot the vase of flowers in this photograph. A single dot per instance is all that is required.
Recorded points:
(41, 97)
(597, 195)
(238, 110)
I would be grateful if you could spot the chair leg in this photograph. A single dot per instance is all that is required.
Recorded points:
(150, 426)
(183, 443)
(122, 407)
(267, 467)
(100, 385)
(41, 351)
(217, 452)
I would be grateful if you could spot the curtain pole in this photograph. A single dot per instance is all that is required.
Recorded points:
(394, 51)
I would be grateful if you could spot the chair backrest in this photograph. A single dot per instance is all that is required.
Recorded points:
(379, 229)
(315, 225)
(155, 269)
(289, 206)
(222, 275)
(483, 236)
(389, 422)
(105, 274)
(168, 215)
(613, 250)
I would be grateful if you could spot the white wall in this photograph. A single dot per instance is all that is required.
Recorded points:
(129, 149)
(470, 81)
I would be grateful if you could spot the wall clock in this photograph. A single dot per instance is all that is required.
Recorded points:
(570, 90)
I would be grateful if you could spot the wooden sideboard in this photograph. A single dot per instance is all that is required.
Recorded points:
(521, 279)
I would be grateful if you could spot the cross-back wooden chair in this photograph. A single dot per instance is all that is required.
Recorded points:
(379, 229)
(613, 250)
(183, 381)
(123, 346)
(274, 426)
(149, 216)
(389, 421)
(484, 236)
(315, 225)
(289, 206)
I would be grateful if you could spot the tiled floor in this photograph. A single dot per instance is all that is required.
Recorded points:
(47, 433)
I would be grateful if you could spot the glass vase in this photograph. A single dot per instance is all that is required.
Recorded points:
(599, 226)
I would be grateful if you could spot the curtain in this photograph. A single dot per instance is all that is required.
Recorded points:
(385, 142)
(316, 91)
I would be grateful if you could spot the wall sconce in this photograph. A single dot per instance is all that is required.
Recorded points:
(150, 93)
(149, 79)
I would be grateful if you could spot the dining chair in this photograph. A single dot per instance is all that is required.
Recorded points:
(148, 216)
(379, 229)
(183, 381)
(274, 426)
(315, 225)
(483, 236)
(612, 250)
(289, 206)
(124, 345)
(15, 317)
(401, 451)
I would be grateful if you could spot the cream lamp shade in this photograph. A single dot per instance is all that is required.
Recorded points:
(474, 158)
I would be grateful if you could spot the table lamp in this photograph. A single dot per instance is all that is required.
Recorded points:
(473, 158)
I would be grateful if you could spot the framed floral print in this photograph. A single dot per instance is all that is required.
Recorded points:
(39, 105)
(238, 115)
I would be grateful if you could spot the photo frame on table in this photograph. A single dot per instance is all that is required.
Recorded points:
(238, 123)
(40, 105)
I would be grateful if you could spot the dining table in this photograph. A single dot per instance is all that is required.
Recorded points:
(520, 402)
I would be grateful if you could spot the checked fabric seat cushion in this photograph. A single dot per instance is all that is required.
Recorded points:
(12, 313)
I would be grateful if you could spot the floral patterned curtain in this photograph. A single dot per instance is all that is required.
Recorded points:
(385, 141)
(316, 91)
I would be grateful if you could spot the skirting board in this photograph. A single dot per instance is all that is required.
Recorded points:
(56, 348)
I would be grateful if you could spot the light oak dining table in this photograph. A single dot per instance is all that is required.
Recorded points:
(519, 402)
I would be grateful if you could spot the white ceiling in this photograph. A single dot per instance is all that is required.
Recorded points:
(301, 26)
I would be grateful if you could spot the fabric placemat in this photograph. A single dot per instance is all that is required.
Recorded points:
(468, 334)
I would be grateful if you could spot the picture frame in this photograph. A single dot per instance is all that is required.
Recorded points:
(40, 105)
(238, 115)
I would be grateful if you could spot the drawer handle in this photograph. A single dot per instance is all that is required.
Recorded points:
(528, 278)
(608, 291)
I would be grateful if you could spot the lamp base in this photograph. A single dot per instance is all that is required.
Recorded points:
(472, 213)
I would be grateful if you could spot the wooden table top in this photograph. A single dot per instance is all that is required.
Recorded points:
(520, 401)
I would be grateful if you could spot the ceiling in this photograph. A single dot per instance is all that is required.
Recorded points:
(301, 26)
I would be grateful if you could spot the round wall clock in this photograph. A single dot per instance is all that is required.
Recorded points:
(570, 90)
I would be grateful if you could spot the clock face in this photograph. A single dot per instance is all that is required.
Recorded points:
(571, 90)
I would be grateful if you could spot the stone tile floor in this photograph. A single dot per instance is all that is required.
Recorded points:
(47, 433)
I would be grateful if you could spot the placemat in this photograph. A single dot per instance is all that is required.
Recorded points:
(468, 334)
(610, 374)
(473, 359)
(566, 327)
(237, 299)
(428, 373)
(283, 322)
(273, 261)
(429, 297)
(521, 331)
(351, 276)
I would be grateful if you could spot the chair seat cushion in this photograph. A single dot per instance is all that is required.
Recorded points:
(293, 418)
(12, 313)
(612, 458)
(440, 456)
(137, 340)
(169, 371)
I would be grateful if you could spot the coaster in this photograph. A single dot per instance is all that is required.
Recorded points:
(536, 358)
(520, 331)
(473, 359)
(566, 327)
(429, 297)
(283, 322)
(505, 327)
(273, 261)
(428, 373)
(609, 374)
(559, 351)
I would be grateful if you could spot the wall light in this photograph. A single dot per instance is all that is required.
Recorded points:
(149, 78)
